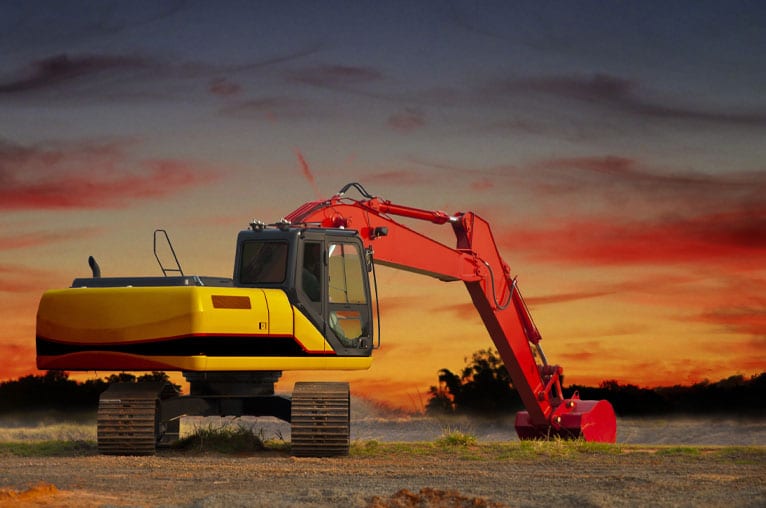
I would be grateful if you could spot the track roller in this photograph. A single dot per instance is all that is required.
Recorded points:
(320, 419)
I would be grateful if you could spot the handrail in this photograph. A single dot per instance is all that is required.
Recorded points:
(172, 251)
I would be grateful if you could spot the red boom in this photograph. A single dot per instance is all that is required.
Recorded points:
(477, 262)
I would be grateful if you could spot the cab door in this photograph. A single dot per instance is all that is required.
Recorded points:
(348, 315)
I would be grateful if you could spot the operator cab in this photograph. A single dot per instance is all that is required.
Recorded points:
(322, 271)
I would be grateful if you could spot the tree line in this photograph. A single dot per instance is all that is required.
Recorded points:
(55, 391)
(484, 388)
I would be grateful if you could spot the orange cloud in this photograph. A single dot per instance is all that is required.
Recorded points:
(36, 238)
(22, 279)
(18, 360)
(398, 177)
(745, 320)
(87, 175)
(735, 238)
(483, 184)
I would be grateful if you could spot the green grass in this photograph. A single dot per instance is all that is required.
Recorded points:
(60, 431)
(553, 450)
(48, 448)
(231, 438)
(452, 438)
(684, 451)
(235, 440)
(223, 439)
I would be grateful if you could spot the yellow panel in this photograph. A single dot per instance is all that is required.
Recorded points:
(309, 337)
(114, 314)
(123, 314)
(207, 318)
(280, 312)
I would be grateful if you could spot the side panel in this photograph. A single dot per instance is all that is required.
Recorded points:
(179, 328)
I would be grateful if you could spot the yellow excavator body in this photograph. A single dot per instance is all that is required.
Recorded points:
(183, 328)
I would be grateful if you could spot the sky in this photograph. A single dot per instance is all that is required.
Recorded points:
(616, 148)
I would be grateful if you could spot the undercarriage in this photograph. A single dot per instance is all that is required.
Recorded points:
(137, 418)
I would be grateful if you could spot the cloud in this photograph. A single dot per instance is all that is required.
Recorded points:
(270, 108)
(623, 95)
(18, 360)
(566, 297)
(335, 76)
(617, 186)
(398, 177)
(224, 87)
(22, 279)
(62, 68)
(482, 184)
(734, 237)
(119, 75)
(33, 239)
(407, 120)
(307, 174)
(633, 175)
(87, 175)
(743, 320)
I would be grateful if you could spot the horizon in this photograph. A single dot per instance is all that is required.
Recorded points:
(616, 150)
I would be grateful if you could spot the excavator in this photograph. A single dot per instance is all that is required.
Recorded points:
(300, 298)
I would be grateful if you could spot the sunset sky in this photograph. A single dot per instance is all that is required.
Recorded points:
(617, 148)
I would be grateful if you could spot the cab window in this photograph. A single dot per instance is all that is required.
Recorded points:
(263, 263)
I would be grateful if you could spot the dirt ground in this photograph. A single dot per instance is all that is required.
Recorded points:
(651, 469)
(635, 477)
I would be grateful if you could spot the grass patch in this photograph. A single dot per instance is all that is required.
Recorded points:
(49, 432)
(744, 455)
(583, 446)
(680, 451)
(467, 447)
(226, 439)
(48, 448)
(456, 438)
(376, 449)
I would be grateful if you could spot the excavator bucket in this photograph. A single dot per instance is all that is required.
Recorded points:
(591, 420)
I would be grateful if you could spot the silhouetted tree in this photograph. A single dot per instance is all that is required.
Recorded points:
(483, 387)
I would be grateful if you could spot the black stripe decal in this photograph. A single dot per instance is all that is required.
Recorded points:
(185, 346)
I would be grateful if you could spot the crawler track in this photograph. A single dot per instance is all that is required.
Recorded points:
(320, 419)
(127, 426)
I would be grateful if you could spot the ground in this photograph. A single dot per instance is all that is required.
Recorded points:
(398, 461)
(482, 475)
